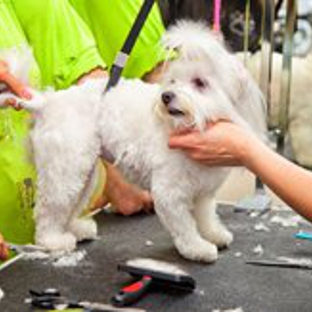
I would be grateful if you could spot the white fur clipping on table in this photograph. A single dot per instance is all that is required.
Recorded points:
(1, 294)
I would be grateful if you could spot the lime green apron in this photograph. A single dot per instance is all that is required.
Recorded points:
(17, 175)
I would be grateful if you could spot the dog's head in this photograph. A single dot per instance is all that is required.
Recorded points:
(205, 82)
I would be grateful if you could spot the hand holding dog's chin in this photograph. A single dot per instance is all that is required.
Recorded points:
(221, 144)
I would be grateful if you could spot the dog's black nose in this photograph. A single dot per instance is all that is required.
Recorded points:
(167, 97)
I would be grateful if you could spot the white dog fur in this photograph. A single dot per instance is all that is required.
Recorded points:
(133, 121)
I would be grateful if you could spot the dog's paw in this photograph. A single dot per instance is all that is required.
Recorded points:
(221, 237)
(200, 250)
(83, 228)
(56, 242)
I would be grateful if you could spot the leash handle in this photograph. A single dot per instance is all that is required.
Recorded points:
(123, 55)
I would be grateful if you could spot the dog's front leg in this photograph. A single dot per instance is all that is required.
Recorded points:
(173, 208)
(209, 223)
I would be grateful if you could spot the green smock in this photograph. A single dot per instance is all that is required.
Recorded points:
(16, 172)
(110, 23)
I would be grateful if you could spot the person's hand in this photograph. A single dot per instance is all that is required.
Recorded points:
(4, 252)
(221, 144)
(96, 73)
(10, 83)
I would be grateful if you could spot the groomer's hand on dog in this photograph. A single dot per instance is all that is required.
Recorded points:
(126, 198)
(4, 252)
(12, 85)
(221, 144)
(95, 73)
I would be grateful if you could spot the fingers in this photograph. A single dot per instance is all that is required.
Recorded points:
(4, 252)
(188, 138)
(184, 141)
(194, 138)
(16, 86)
(224, 162)
(221, 120)
(213, 160)
(13, 103)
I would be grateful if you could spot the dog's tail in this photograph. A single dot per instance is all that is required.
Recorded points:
(20, 61)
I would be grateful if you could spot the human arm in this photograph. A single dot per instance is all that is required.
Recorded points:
(4, 252)
(228, 144)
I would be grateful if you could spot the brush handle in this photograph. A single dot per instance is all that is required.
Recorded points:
(132, 293)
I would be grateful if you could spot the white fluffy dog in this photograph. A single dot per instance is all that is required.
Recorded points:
(133, 121)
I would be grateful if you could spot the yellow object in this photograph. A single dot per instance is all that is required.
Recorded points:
(96, 187)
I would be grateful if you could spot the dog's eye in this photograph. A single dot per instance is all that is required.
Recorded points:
(200, 83)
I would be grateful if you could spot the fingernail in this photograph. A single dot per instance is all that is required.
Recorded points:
(26, 95)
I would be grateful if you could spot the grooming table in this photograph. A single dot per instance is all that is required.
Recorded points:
(228, 284)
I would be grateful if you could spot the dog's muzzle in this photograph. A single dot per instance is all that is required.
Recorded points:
(168, 99)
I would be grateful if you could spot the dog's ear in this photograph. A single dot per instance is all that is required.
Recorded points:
(250, 102)
(192, 40)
